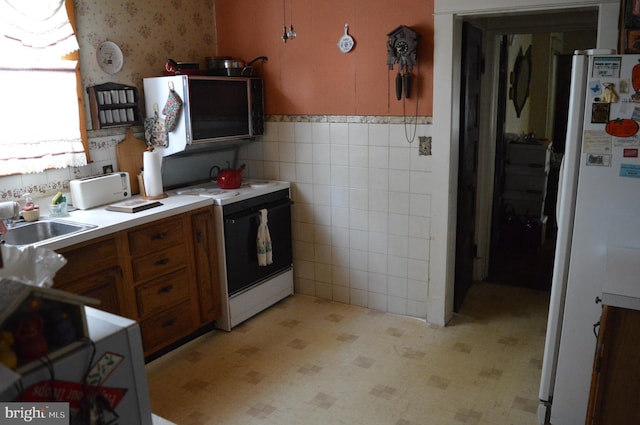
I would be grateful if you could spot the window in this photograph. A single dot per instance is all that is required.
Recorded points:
(41, 95)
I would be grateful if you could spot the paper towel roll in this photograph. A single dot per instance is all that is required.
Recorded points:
(152, 166)
(9, 209)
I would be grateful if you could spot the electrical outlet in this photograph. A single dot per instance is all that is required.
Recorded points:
(107, 169)
(424, 148)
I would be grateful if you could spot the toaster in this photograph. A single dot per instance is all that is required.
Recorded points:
(98, 190)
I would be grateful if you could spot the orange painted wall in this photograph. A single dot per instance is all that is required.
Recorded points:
(309, 75)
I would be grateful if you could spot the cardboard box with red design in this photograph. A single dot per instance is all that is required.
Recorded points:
(106, 376)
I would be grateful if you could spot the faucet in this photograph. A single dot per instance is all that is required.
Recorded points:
(8, 212)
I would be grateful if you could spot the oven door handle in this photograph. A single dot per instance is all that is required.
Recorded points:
(255, 211)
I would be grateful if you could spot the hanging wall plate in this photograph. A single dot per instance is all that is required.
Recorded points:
(109, 57)
(345, 44)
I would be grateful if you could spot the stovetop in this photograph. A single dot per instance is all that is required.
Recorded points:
(248, 189)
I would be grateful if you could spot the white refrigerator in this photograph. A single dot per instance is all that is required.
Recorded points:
(598, 215)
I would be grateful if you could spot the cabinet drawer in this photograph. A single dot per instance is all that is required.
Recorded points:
(85, 259)
(521, 180)
(159, 263)
(162, 293)
(156, 237)
(167, 327)
(536, 155)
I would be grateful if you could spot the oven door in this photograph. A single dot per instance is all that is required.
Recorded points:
(240, 234)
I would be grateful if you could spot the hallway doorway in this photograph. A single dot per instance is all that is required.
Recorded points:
(510, 18)
(522, 241)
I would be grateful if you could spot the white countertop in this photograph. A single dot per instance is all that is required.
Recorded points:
(108, 222)
(622, 301)
(157, 420)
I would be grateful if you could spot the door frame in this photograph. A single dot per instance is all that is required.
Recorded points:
(448, 18)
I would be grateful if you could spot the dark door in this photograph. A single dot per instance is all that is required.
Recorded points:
(561, 99)
(498, 181)
(468, 159)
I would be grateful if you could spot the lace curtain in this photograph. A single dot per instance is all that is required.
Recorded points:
(39, 103)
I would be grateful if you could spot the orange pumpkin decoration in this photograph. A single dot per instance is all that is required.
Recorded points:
(622, 127)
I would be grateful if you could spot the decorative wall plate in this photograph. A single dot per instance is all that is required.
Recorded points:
(345, 44)
(109, 57)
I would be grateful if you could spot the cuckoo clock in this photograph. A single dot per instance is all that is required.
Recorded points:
(402, 47)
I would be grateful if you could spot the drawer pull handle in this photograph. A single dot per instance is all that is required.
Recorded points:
(159, 236)
(165, 289)
(168, 323)
(162, 262)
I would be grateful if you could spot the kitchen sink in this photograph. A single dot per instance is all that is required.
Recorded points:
(28, 233)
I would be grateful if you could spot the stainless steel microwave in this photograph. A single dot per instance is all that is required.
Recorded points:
(214, 109)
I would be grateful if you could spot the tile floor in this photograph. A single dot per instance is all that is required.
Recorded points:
(311, 361)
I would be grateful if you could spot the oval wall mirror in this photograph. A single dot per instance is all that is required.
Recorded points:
(521, 80)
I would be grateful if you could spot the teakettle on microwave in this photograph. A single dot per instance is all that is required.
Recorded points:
(215, 109)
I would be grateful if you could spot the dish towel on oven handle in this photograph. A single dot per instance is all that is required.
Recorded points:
(263, 241)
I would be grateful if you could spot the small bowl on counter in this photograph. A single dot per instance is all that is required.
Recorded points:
(31, 215)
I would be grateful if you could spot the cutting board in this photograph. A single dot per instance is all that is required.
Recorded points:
(129, 154)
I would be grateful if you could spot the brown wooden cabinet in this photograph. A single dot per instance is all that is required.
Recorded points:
(615, 381)
(162, 274)
(162, 271)
(93, 269)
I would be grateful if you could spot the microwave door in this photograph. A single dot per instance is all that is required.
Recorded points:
(219, 109)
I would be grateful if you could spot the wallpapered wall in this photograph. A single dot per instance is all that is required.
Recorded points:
(148, 32)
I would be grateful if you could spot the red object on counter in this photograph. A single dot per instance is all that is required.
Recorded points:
(228, 178)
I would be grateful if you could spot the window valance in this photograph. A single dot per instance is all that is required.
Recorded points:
(38, 24)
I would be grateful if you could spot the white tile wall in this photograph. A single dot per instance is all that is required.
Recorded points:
(362, 212)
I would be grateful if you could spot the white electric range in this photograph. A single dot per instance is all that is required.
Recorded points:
(246, 287)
